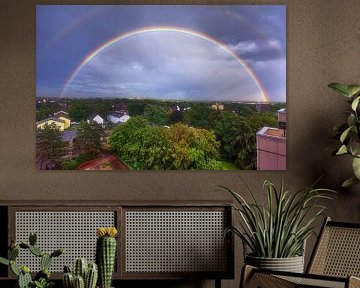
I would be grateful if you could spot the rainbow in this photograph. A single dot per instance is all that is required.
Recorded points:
(200, 35)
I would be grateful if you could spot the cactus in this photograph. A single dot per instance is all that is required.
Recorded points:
(105, 255)
(13, 253)
(80, 268)
(43, 274)
(24, 245)
(24, 278)
(68, 280)
(45, 261)
(36, 251)
(90, 272)
(79, 282)
(91, 276)
(57, 253)
(67, 269)
(32, 238)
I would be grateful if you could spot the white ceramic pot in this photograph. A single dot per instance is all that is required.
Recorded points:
(291, 264)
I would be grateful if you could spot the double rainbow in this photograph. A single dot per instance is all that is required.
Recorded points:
(200, 35)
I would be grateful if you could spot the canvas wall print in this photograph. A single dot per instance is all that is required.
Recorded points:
(161, 87)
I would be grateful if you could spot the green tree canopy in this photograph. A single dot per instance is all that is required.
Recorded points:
(157, 114)
(79, 111)
(89, 137)
(179, 147)
(199, 115)
(262, 119)
(50, 147)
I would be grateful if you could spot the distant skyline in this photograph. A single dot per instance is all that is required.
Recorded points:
(165, 52)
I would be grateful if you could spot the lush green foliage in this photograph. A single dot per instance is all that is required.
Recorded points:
(46, 109)
(179, 147)
(89, 137)
(43, 283)
(279, 229)
(75, 162)
(349, 132)
(235, 129)
(80, 110)
(237, 135)
(199, 116)
(44, 112)
(136, 108)
(50, 147)
(42, 278)
(157, 114)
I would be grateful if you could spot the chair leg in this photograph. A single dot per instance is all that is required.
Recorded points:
(250, 278)
(217, 283)
(246, 274)
(354, 282)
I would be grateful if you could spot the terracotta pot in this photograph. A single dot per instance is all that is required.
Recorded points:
(291, 264)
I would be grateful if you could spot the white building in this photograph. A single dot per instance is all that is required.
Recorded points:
(117, 117)
(96, 118)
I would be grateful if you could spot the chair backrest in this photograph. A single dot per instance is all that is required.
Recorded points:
(337, 251)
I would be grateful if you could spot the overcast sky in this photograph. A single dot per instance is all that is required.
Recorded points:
(162, 64)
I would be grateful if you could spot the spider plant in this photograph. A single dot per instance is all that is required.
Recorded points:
(280, 229)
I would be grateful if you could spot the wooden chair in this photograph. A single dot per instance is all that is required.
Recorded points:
(335, 262)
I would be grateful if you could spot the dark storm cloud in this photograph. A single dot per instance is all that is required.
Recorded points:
(66, 34)
(166, 65)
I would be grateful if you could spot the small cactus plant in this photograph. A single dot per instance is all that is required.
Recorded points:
(81, 267)
(79, 282)
(85, 275)
(106, 254)
(42, 278)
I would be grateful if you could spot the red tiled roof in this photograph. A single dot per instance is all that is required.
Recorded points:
(110, 162)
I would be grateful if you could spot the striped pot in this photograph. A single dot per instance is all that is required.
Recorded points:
(291, 264)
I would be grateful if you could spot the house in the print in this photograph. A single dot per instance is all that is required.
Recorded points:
(271, 145)
(117, 117)
(61, 124)
(60, 119)
(217, 106)
(95, 118)
(63, 116)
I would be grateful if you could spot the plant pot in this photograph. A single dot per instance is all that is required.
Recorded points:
(291, 264)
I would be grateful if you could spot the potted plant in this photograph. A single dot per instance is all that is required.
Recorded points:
(42, 278)
(84, 274)
(348, 133)
(276, 233)
(106, 254)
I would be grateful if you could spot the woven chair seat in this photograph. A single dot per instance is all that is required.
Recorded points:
(335, 262)
(313, 282)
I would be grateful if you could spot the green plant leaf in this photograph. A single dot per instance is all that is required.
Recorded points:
(4, 261)
(14, 268)
(355, 103)
(342, 150)
(354, 145)
(353, 89)
(340, 88)
(279, 228)
(345, 134)
(356, 167)
(349, 182)
(351, 119)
